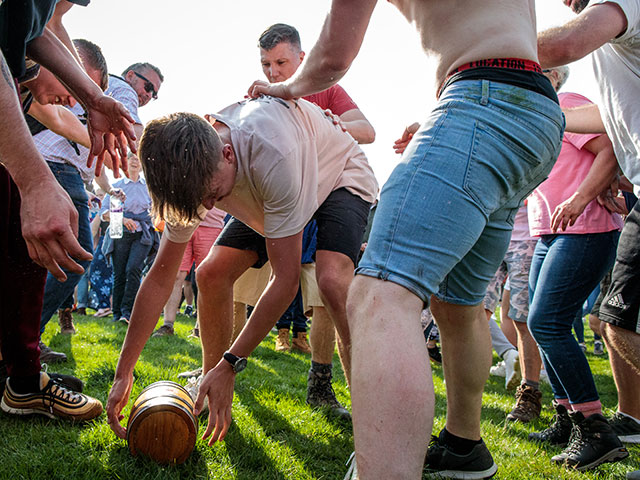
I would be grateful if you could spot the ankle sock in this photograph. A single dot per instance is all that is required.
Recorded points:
(588, 408)
(26, 384)
(458, 445)
(531, 383)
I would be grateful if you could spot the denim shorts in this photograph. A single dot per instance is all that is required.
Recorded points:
(445, 215)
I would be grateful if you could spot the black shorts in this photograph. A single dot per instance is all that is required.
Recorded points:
(341, 219)
(622, 302)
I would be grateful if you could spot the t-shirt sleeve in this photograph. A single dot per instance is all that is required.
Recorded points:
(183, 233)
(571, 100)
(285, 202)
(631, 10)
(339, 101)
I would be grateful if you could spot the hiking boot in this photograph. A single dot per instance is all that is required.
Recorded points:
(53, 400)
(598, 347)
(81, 310)
(558, 432)
(434, 355)
(447, 464)
(528, 404)
(627, 429)
(299, 342)
(49, 356)
(512, 376)
(66, 321)
(320, 394)
(282, 342)
(498, 369)
(164, 331)
(593, 442)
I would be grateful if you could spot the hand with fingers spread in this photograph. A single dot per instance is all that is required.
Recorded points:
(118, 399)
(218, 385)
(111, 128)
(50, 228)
(260, 87)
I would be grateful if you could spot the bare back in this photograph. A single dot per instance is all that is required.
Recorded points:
(460, 31)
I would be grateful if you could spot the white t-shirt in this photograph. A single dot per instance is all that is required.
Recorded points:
(617, 67)
(290, 158)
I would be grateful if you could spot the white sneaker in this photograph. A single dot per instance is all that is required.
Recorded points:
(352, 473)
(498, 369)
(192, 386)
(512, 376)
(544, 377)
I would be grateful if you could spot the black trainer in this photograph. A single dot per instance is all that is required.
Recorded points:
(558, 432)
(446, 464)
(593, 442)
(627, 429)
(434, 354)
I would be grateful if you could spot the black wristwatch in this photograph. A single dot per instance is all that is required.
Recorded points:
(237, 363)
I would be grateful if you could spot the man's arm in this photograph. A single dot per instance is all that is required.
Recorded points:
(594, 27)
(584, 119)
(49, 219)
(56, 26)
(218, 383)
(358, 126)
(337, 46)
(600, 176)
(109, 122)
(153, 294)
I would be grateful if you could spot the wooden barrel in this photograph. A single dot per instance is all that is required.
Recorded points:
(162, 425)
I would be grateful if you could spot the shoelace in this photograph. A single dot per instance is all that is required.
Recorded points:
(352, 472)
(54, 391)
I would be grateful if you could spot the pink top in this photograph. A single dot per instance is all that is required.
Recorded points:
(214, 218)
(567, 174)
(521, 226)
(334, 98)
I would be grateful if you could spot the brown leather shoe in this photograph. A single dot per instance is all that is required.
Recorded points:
(300, 343)
(66, 321)
(528, 404)
(282, 342)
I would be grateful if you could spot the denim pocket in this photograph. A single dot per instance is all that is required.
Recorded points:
(499, 168)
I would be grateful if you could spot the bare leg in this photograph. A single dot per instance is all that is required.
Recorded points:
(466, 358)
(624, 356)
(239, 319)
(216, 276)
(188, 292)
(390, 367)
(322, 336)
(506, 323)
(595, 324)
(334, 272)
(172, 305)
(530, 361)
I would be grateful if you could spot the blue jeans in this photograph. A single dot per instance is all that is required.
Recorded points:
(128, 261)
(564, 271)
(294, 316)
(445, 215)
(55, 292)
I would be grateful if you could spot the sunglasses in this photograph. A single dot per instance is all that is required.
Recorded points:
(148, 86)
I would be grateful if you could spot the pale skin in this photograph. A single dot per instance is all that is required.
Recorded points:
(382, 362)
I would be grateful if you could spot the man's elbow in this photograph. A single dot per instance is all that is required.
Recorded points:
(369, 136)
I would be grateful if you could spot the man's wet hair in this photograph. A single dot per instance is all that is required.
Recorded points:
(91, 55)
(138, 67)
(180, 153)
(278, 33)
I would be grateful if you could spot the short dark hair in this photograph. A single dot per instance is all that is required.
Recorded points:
(136, 67)
(91, 55)
(278, 33)
(179, 153)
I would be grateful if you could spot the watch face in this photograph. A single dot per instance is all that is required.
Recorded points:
(240, 364)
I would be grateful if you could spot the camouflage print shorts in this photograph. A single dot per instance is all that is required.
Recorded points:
(515, 266)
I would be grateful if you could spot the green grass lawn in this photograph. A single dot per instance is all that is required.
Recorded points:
(275, 435)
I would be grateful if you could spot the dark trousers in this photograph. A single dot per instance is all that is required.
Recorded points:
(21, 288)
(128, 261)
